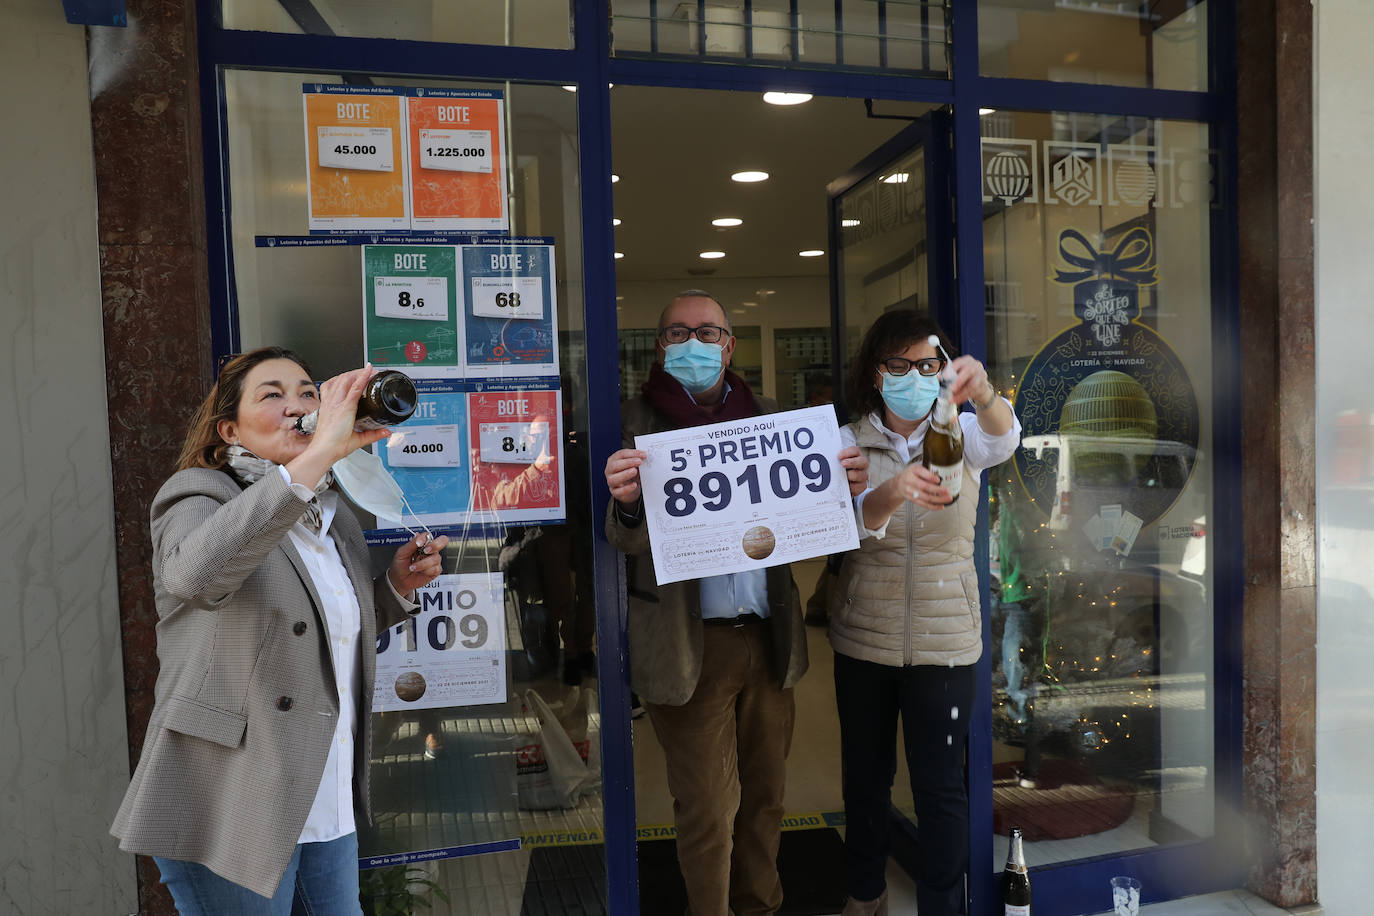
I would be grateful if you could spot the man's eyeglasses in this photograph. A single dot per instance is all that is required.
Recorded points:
(897, 366)
(706, 333)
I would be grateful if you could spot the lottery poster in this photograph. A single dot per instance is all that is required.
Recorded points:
(510, 311)
(410, 309)
(427, 456)
(355, 157)
(452, 653)
(457, 160)
(517, 448)
(746, 494)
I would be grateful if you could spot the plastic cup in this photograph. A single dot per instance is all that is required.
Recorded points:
(1126, 896)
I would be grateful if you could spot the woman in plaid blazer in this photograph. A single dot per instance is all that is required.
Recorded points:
(254, 768)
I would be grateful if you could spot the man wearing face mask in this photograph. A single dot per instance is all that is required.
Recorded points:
(714, 659)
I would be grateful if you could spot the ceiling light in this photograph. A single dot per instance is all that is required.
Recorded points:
(615, 221)
(749, 176)
(849, 223)
(614, 178)
(897, 178)
(712, 255)
(619, 255)
(811, 253)
(725, 222)
(569, 88)
(786, 98)
(748, 304)
(738, 311)
(984, 112)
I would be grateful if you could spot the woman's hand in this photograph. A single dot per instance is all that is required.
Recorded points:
(920, 485)
(417, 563)
(855, 465)
(970, 381)
(622, 476)
(334, 435)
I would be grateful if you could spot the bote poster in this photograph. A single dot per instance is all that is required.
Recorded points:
(517, 446)
(1109, 414)
(510, 314)
(410, 309)
(355, 157)
(457, 160)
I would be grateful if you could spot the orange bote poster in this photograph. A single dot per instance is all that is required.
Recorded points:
(457, 160)
(355, 151)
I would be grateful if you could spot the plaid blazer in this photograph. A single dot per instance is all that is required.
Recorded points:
(246, 699)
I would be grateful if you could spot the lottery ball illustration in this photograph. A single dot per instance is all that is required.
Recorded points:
(758, 542)
(410, 686)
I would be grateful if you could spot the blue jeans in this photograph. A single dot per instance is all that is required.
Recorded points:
(321, 880)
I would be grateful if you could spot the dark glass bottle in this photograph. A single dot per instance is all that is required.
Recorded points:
(389, 398)
(1016, 889)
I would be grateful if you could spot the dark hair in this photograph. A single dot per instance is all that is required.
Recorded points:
(892, 333)
(203, 447)
(696, 294)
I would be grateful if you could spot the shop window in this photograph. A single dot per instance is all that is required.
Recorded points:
(1099, 314)
(516, 23)
(905, 35)
(1161, 45)
(477, 696)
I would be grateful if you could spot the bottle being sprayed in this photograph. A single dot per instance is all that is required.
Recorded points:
(1016, 889)
(943, 450)
(389, 398)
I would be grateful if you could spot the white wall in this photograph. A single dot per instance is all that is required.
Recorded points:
(1344, 200)
(63, 743)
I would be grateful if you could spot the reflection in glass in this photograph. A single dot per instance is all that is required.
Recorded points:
(907, 35)
(517, 774)
(1109, 42)
(1098, 277)
(516, 23)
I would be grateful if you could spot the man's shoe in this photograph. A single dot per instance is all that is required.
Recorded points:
(877, 907)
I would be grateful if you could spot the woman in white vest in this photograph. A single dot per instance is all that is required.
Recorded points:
(904, 617)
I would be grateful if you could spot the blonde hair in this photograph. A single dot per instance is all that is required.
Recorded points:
(203, 447)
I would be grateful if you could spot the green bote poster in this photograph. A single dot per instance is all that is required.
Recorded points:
(410, 314)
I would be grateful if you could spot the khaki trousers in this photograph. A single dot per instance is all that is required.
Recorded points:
(726, 750)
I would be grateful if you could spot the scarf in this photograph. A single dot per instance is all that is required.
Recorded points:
(249, 469)
(666, 395)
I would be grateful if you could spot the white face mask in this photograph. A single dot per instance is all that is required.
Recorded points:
(369, 486)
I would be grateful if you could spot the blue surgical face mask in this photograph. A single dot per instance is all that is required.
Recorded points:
(696, 365)
(910, 396)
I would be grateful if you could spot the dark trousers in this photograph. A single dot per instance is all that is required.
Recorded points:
(935, 703)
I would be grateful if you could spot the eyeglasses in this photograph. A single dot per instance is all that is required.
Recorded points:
(897, 366)
(706, 333)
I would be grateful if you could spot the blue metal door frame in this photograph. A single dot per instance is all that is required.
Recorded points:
(1069, 888)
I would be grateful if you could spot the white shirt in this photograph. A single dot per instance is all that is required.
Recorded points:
(331, 814)
(982, 450)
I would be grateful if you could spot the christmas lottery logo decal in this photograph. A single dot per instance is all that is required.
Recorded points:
(1109, 413)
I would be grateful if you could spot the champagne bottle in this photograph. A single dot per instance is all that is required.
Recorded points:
(943, 451)
(387, 399)
(1016, 891)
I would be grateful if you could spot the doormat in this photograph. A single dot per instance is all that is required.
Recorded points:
(1068, 801)
(810, 862)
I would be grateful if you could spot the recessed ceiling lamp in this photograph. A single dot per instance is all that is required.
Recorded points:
(614, 178)
(569, 88)
(615, 221)
(786, 98)
(897, 178)
(811, 253)
(849, 223)
(748, 177)
(749, 304)
(726, 222)
(984, 112)
(712, 255)
(619, 255)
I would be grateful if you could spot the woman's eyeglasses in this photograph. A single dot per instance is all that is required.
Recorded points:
(706, 333)
(897, 366)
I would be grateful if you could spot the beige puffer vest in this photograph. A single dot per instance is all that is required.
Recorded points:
(910, 597)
